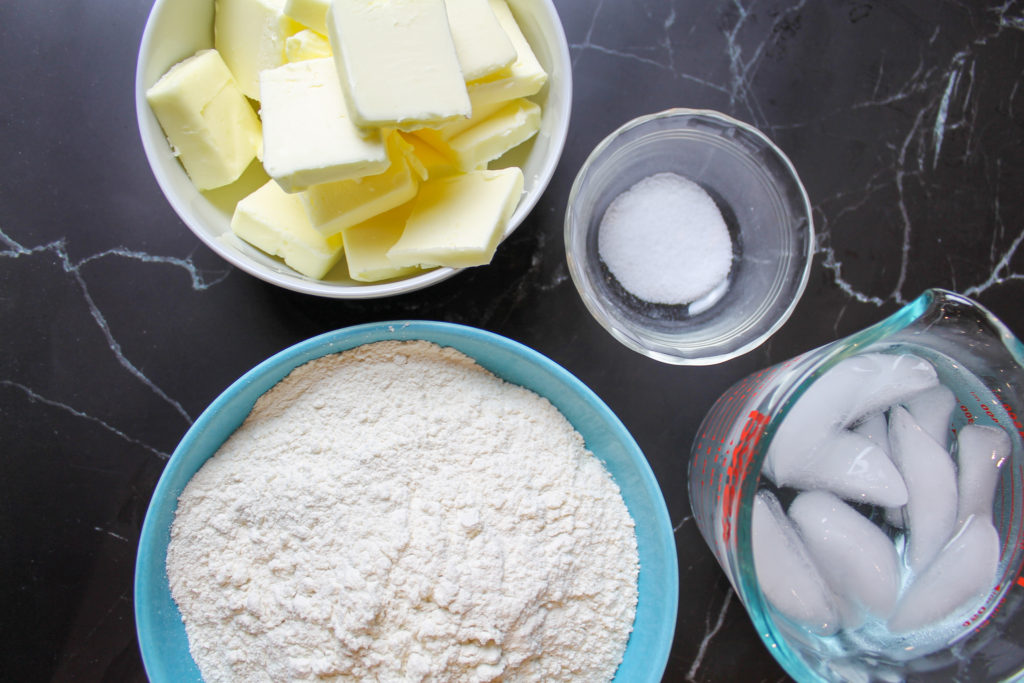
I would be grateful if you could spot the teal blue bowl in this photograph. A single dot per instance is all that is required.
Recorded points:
(161, 633)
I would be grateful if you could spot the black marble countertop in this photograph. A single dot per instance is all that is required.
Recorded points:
(905, 119)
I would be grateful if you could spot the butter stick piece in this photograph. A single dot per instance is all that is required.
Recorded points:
(438, 136)
(311, 13)
(308, 138)
(206, 118)
(397, 62)
(276, 222)
(250, 35)
(435, 163)
(367, 244)
(306, 44)
(492, 130)
(459, 220)
(510, 126)
(481, 44)
(335, 206)
(525, 77)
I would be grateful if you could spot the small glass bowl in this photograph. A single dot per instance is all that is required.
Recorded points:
(765, 208)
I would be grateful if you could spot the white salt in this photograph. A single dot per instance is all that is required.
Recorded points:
(665, 241)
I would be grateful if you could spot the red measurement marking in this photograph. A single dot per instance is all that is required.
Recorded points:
(734, 415)
(1012, 507)
(739, 465)
(1020, 580)
(985, 408)
(1014, 419)
(725, 416)
(709, 425)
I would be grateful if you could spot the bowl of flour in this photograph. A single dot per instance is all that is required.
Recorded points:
(407, 501)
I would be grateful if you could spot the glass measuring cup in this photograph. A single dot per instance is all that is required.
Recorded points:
(982, 362)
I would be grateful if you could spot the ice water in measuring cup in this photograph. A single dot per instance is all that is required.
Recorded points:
(865, 499)
(875, 526)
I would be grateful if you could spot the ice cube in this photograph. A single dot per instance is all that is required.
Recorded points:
(876, 428)
(785, 572)
(857, 559)
(933, 410)
(960, 575)
(894, 378)
(981, 452)
(931, 485)
(894, 517)
(855, 387)
(853, 467)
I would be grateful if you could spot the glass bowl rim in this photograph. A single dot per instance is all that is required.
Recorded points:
(664, 352)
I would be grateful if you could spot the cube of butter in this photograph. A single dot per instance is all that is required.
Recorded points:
(335, 206)
(397, 62)
(250, 35)
(308, 137)
(311, 13)
(510, 126)
(438, 136)
(206, 118)
(434, 163)
(276, 222)
(481, 44)
(367, 244)
(459, 220)
(525, 77)
(306, 44)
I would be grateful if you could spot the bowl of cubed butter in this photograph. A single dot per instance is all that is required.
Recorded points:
(347, 149)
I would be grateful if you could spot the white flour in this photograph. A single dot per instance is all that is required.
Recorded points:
(397, 513)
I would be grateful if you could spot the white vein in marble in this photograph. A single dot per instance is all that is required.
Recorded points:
(12, 249)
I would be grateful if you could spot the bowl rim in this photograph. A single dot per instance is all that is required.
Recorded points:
(167, 658)
(584, 287)
(151, 135)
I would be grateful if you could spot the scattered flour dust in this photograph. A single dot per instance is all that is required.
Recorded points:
(665, 240)
(397, 513)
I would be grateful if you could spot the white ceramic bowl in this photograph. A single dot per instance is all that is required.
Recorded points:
(162, 638)
(176, 29)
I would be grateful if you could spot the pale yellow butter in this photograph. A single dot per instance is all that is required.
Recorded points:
(458, 221)
(438, 136)
(250, 35)
(510, 126)
(435, 164)
(397, 62)
(276, 222)
(525, 77)
(481, 43)
(311, 13)
(367, 244)
(308, 138)
(306, 44)
(334, 206)
(206, 118)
